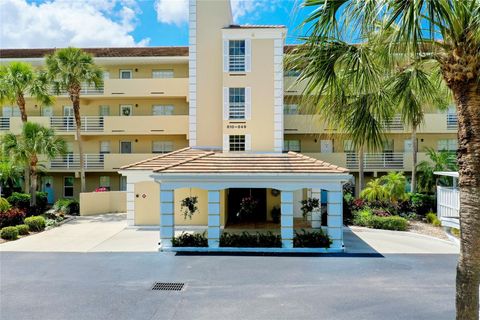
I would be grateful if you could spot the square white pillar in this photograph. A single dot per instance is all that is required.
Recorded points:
(166, 218)
(316, 218)
(335, 218)
(130, 203)
(287, 219)
(213, 218)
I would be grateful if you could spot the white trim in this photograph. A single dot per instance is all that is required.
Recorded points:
(241, 34)
(248, 55)
(226, 104)
(192, 68)
(248, 142)
(248, 103)
(226, 47)
(226, 143)
(278, 115)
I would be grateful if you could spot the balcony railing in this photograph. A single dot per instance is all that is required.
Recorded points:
(89, 123)
(385, 160)
(86, 90)
(4, 123)
(452, 121)
(395, 123)
(72, 161)
(448, 202)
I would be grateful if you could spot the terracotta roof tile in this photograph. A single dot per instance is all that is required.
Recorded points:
(190, 160)
(101, 52)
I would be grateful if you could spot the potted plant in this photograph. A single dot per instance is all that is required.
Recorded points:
(189, 207)
(312, 205)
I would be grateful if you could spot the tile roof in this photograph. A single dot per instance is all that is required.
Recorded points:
(255, 26)
(190, 160)
(102, 52)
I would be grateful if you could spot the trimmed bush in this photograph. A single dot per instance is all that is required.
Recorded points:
(247, 240)
(9, 233)
(433, 219)
(4, 205)
(11, 217)
(389, 223)
(67, 206)
(422, 203)
(35, 223)
(362, 218)
(190, 240)
(22, 229)
(314, 239)
(20, 200)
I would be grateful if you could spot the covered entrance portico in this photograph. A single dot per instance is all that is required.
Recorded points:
(216, 172)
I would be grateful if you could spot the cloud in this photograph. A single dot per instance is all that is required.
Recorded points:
(176, 11)
(60, 23)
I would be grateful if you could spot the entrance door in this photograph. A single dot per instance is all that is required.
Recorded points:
(125, 147)
(47, 186)
(235, 196)
(326, 146)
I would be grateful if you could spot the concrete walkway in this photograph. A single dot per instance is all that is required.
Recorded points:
(108, 233)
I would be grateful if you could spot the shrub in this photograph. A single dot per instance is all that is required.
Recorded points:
(314, 239)
(389, 223)
(4, 205)
(381, 213)
(67, 206)
(190, 240)
(247, 240)
(422, 203)
(9, 233)
(362, 218)
(35, 223)
(50, 223)
(11, 217)
(433, 219)
(20, 200)
(22, 229)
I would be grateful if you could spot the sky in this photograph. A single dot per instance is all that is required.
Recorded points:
(124, 23)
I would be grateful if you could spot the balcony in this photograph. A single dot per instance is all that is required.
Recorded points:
(4, 123)
(452, 121)
(292, 88)
(97, 162)
(299, 123)
(166, 87)
(67, 124)
(372, 162)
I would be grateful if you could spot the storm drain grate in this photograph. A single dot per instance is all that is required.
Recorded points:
(168, 286)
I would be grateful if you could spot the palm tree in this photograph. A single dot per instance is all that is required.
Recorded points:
(69, 69)
(394, 183)
(18, 80)
(33, 142)
(439, 161)
(375, 191)
(10, 176)
(446, 33)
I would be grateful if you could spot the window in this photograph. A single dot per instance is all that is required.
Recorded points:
(47, 111)
(106, 75)
(126, 110)
(125, 74)
(162, 73)
(104, 111)
(290, 109)
(161, 110)
(68, 186)
(123, 183)
(236, 103)
(104, 147)
(125, 146)
(105, 181)
(236, 143)
(408, 145)
(291, 145)
(9, 111)
(292, 73)
(162, 146)
(388, 146)
(348, 146)
(447, 145)
(236, 55)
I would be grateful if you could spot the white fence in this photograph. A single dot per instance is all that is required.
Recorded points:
(72, 161)
(448, 202)
(387, 160)
(89, 123)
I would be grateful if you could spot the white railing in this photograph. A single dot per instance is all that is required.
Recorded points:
(448, 202)
(236, 63)
(452, 121)
(72, 161)
(395, 123)
(4, 123)
(385, 160)
(89, 123)
(86, 90)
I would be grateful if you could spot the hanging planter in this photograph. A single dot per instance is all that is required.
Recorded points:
(189, 207)
(309, 205)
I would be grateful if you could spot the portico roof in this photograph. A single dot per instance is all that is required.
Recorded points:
(198, 161)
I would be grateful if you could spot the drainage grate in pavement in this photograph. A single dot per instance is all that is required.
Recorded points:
(168, 286)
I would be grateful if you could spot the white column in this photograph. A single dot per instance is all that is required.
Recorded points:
(130, 202)
(317, 213)
(335, 217)
(287, 219)
(213, 218)
(166, 217)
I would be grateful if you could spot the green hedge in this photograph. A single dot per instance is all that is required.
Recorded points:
(22, 229)
(67, 206)
(366, 218)
(36, 223)
(247, 240)
(313, 239)
(9, 233)
(22, 201)
(190, 240)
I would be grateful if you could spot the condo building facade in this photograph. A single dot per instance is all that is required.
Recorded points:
(227, 92)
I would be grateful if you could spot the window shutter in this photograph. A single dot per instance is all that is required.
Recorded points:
(226, 99)
(225, 55)
(226, 145)
(248, 103)
(248, 55)
(248, 142)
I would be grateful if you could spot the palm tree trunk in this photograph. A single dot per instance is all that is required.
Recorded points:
(78, 122)
(23, 114)
(361, 171)
(414, 159)
(467, 98)
(33, 186)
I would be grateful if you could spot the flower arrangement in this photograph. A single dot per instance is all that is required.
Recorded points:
(189, 207)
(309, 205)
(248, 205)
